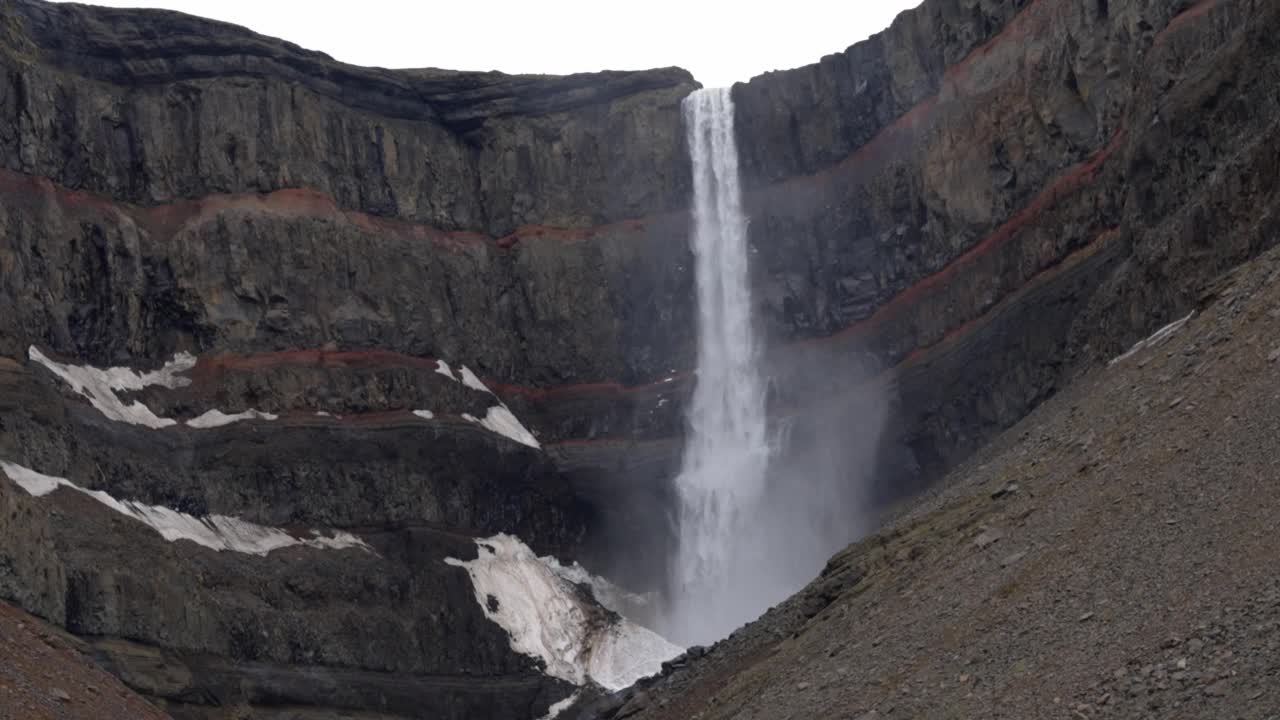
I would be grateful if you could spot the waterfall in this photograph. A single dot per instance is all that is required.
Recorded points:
(716, 582)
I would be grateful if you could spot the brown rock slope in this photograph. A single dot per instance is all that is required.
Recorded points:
(47, 675)
(1112, 555)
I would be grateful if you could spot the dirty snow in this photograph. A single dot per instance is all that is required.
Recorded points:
(548, 618)
(101, 386)
(218, 532)
(424, 414)
(217, 418)
(606, 593)
(1156, 338)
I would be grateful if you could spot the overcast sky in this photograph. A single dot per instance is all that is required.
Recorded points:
(719, 41)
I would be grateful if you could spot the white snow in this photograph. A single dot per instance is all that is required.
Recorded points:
(217, 418)
(218, 532)
(501, 420)
(442, 367)
(322, 413)
(470, 380)
(547, 618)
(1156, 338)
(498, 418)
(101, 385)
(554, 711)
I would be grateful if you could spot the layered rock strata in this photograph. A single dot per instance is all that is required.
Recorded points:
(966, 209)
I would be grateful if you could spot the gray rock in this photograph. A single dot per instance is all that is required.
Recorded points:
(638, 702)
(988, 538)
(1013, 559)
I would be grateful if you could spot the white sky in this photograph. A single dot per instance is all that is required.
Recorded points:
(719, 41)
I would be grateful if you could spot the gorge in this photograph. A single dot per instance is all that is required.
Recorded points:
(301, 362)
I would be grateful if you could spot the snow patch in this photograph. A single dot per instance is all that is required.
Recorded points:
(470, 380)
(501, 420)
(548, 617)
(101, 385)
(1156, 338)
(217, 532)
(217, 418)
(554, 711)
(442, 367)
(424, 414)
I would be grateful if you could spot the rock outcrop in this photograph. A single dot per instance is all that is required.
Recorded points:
(969, 208)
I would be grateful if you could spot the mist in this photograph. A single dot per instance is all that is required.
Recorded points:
(827, 420)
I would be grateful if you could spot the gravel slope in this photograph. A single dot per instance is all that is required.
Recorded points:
(1116, 554)
(45, 676)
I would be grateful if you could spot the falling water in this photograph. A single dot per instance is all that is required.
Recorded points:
(715, 583)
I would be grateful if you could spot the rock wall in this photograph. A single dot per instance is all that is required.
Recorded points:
(988, 197)
(322, 237)
(968, 208)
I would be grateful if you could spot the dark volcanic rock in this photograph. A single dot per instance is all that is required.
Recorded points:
(155, 106)
(963, 212)
(990, 201)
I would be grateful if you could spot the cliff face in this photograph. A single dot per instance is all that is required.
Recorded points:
(976, 204)
(988, 197)
(336, 245)
(167, 134)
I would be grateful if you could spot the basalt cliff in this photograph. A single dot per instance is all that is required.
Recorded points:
(360, 319)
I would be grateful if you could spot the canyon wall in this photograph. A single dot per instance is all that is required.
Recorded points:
(968, 209)
(989, 197)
